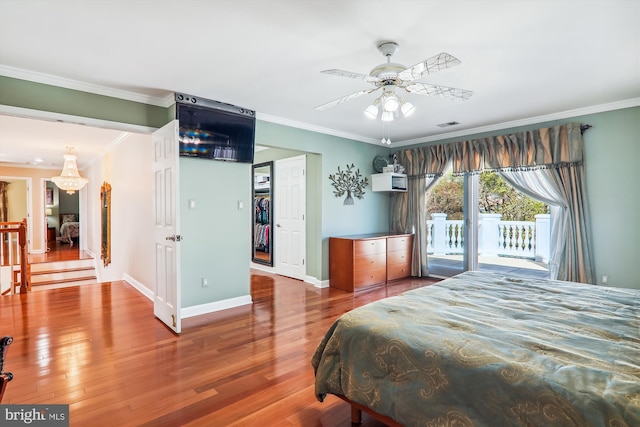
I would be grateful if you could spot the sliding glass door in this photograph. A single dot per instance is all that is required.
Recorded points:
(479, 222)
(446, 234)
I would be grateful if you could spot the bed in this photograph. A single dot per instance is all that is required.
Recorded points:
(69, 228)
(485, 349)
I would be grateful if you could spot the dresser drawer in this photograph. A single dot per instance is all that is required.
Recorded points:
(370, 277)
(398, 271)
(399, 257)
(367, 262)
(372, 246)
(399, 243)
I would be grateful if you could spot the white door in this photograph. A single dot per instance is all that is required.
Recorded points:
(166, 301)
(290, 206)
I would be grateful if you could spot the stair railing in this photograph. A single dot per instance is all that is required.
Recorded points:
(13, 254)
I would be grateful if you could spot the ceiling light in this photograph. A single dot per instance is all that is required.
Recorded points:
(371, 112)
(407, 109)
(391, 103)
(69, 179)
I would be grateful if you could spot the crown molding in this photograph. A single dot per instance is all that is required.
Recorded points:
(601, 108)
(48, 79)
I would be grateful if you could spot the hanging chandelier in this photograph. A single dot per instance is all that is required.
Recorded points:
(69, 179)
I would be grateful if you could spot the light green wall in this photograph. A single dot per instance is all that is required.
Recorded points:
(217, 235)
(69, 202)
(611, 154)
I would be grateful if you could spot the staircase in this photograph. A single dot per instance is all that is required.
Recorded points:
(61, 274)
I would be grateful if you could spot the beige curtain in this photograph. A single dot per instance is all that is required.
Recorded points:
(559, 148)
(561, 188)
(408, 210)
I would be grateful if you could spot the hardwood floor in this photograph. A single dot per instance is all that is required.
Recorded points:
(59, 251)
(99, 349)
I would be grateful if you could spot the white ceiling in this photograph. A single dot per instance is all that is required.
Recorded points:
(522, 59)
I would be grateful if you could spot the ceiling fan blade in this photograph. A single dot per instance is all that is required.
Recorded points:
(352, 75)
(345, 98)
(428, 66)
(450, 93)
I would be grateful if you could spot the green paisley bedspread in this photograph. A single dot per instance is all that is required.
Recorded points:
(484, 349)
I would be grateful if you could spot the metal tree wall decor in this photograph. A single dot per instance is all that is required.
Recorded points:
(350, 182)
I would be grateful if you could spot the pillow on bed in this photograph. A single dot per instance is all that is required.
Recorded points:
(68, 218)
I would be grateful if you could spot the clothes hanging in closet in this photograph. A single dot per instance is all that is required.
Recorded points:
(261, 205)
(261, 230)
(261, 233)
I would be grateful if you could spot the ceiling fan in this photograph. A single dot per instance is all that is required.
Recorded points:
(389, 76)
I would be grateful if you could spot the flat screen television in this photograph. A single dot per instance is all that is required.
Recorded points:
(215, 131)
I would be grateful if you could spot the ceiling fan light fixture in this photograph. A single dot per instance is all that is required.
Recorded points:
(391, 103)
(407, 109)
(391, 76)
(371, 112)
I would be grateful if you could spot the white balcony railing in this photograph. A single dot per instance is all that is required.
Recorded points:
(522, 239)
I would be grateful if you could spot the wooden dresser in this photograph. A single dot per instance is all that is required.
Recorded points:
(51, 234)
(368, 259)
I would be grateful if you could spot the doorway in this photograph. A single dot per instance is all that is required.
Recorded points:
(16, 202)
(289, 251)
(62, 218)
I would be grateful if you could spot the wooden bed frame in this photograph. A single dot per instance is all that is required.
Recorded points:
(357, 410)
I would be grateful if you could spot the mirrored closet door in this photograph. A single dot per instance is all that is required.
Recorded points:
(262, 233)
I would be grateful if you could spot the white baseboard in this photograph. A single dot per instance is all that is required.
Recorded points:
(307, 279)
(139, 286)
(211, 307)
(262, 267)
(195, 310)
(316, 282)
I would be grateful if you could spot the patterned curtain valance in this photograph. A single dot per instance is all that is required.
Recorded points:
(424, 161)
(539, 148)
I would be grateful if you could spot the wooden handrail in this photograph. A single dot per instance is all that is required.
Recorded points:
(25, 270)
